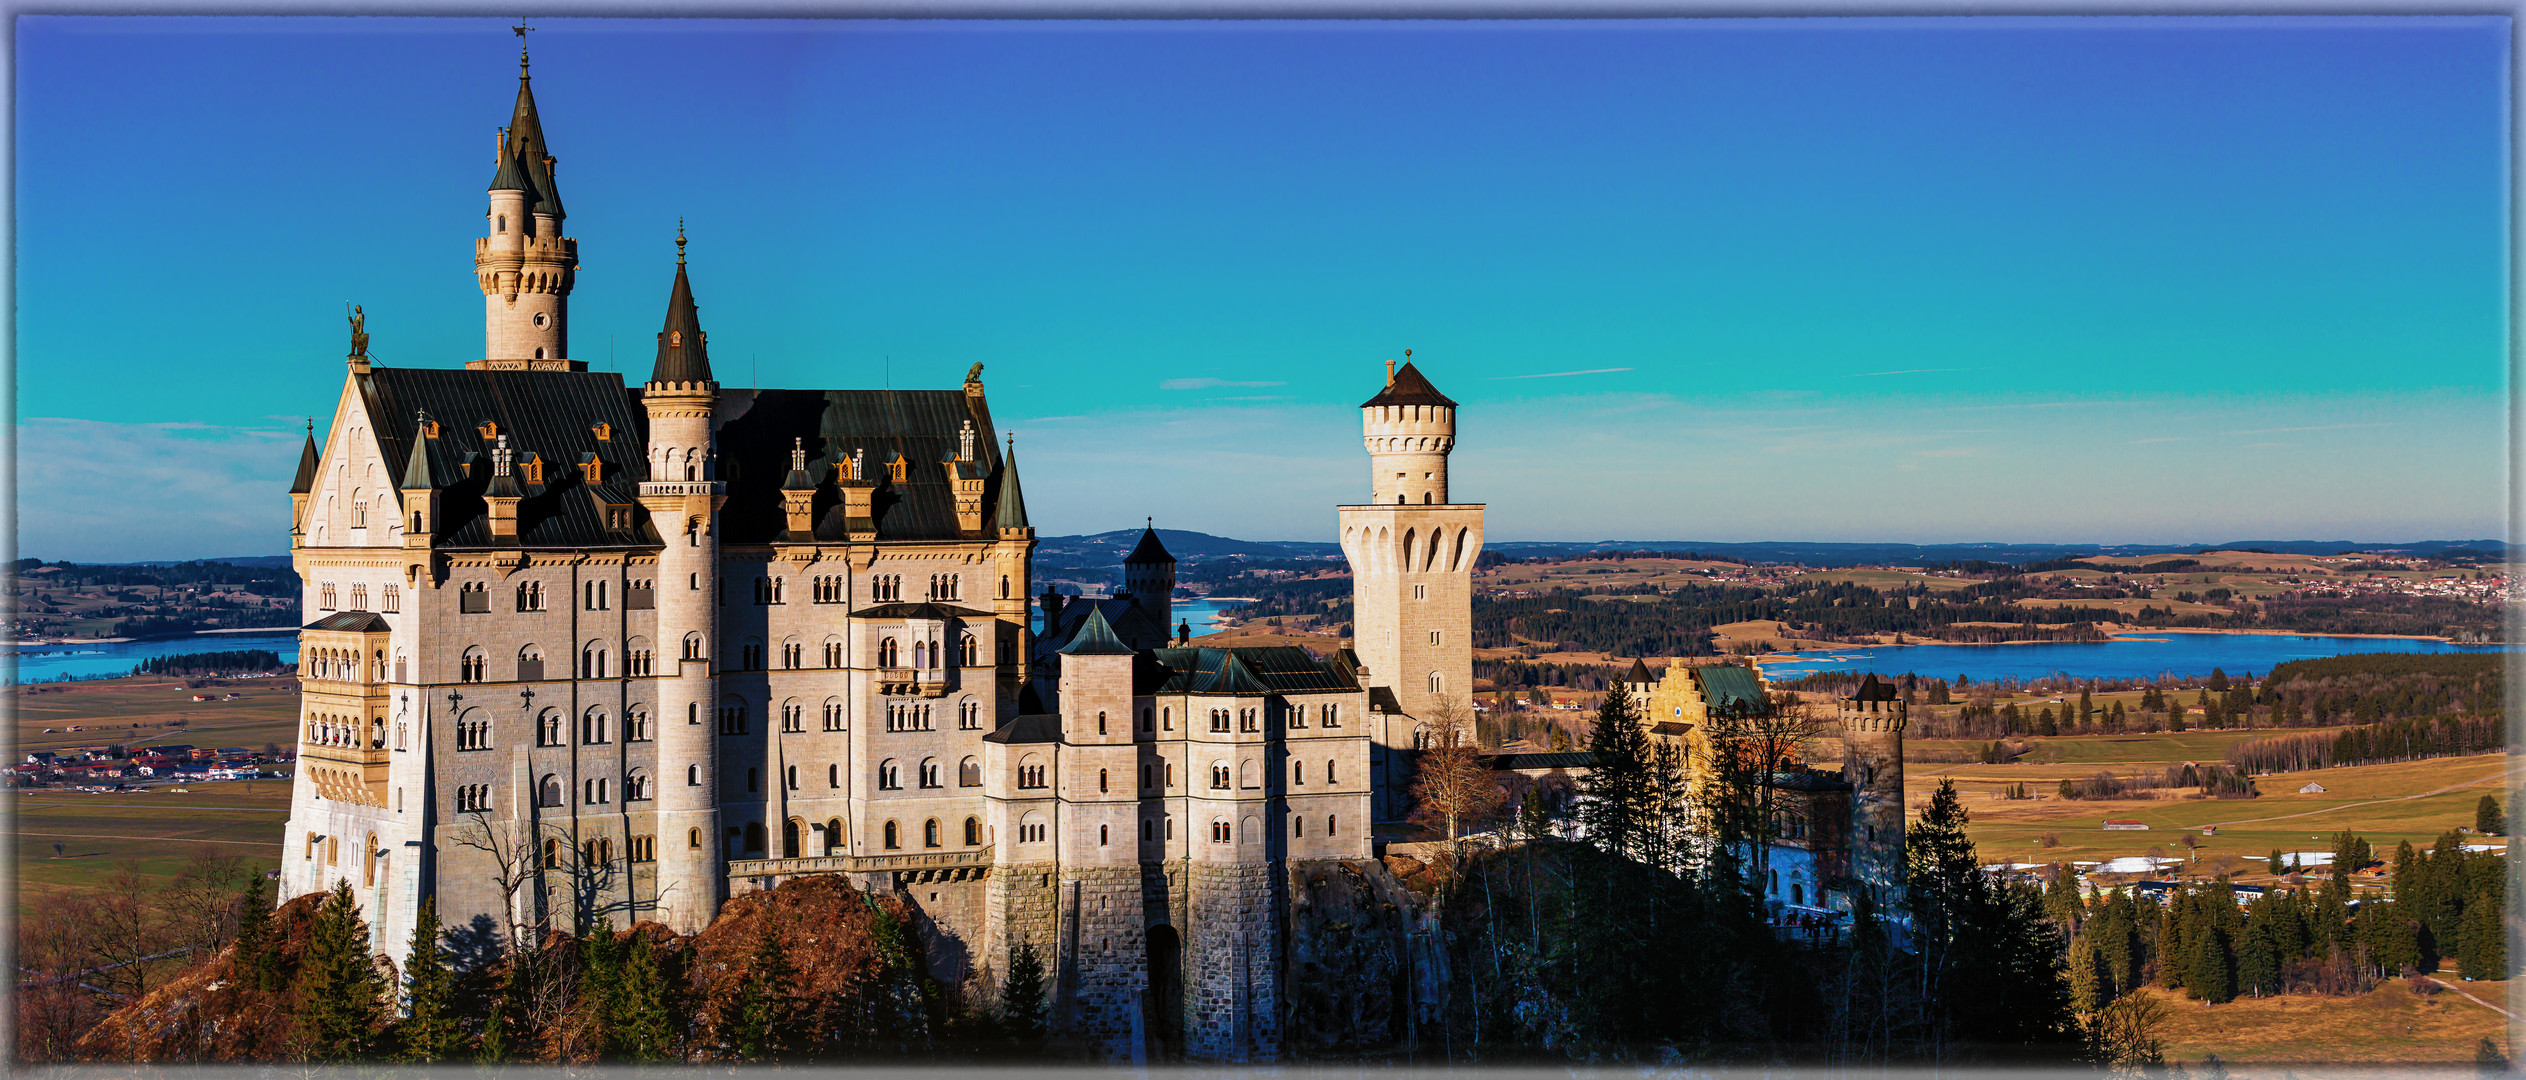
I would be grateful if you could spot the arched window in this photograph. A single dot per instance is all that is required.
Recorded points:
(1298, 773)
(1219, 775)
(894, 836)
(1100, 722)
(1101, 836)
(754, 836)
(789, 839)
(549, 792)
(930, 773)
(469, 667)
(886, 653)
(1331, 826)
(1100, 780)
(833, 838)
(592, 727)
(968, 651)
(1297, 827)
(1220, 833)
(930, 834)
(1438, 682)
(693, 837)
(973, 832)
(969, 773)
(888, 778)
(692, 776)
(833, 776)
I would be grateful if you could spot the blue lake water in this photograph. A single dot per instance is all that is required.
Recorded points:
(2141, 656)
(1200, 613)
(45, 663)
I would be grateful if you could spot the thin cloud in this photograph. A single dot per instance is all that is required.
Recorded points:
(1209, 383)
(1906, 371)
(2318, 427)
(1561, 374)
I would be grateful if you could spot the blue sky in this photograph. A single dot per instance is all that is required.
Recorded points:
(2009, 279)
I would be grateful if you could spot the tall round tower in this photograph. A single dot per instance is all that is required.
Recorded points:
(523, 264)
(1149, 572)
(683, 495)
(1408, 438)
(1872, 763)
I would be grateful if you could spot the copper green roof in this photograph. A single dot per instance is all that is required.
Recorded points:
(1729, 689)
(1095, 638)
(1012, 509)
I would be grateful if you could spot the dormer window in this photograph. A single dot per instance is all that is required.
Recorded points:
(604, 432)
(535, 466)
(675, 338)
(595, 470)
(894, 469)
(489, 430)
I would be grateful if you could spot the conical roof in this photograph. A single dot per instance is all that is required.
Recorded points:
(1095, 637)
(1640, 673)
(1149, 549)
(682, 353)
(526, 143)
(512, 177)
(417, 475)
(1012, 509)
(306, 481)
(1408, 387)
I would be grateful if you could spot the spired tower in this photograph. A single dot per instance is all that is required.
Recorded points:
(524, 264)
(1872, 763)
(1411, 552)
(683, 495)
(1149, 572)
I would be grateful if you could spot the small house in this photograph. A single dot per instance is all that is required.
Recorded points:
(2312, 788)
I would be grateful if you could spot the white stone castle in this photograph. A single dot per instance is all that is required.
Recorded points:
(588, 652)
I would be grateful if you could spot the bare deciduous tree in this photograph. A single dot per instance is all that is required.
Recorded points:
(1451, 788)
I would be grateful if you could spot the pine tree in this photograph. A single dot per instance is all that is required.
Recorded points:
(256, 963)
(430, 1030)
(762, 1021)
(2278, 866)
(2481, 942)
(341, 997)
(2085, 990)
(1022, 996)
(2258, 957)
(1620, 791)
(599, 988)
(2487, 819)
(645, 1021)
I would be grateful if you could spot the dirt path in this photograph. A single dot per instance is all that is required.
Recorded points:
(2468, 997)
(2372, 802)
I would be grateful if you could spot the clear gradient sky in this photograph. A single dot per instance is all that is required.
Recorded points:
(2058, 280)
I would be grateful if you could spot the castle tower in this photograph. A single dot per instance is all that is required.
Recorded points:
(1102, 931)
(1412, 553)
(682, 495)
(523, 263)
(1872, 763)
(1149, 572)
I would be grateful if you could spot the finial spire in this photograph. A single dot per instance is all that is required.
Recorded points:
(521, 30)
(679, 241)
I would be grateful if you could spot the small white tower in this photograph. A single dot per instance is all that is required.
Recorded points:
(523, 263)
(683, 494)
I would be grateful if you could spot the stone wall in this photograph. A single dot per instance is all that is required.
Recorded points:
(1349, 933)
(1233, 965)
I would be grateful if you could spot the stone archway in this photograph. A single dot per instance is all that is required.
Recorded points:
(1165, 1002)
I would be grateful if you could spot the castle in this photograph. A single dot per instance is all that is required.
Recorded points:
(589, 652)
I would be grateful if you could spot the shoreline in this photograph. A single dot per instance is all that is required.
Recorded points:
(2119, 635)
(24, 645)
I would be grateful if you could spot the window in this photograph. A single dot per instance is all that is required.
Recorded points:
(324, 594)
(1332, 715)
(359, 597)
(908, 716)
(549, 793)
(1100, 781)
(473, 798)
(692, 776)
(754, 782)
(947, 587)
(1219, 719)
(969, 773)
(1166, 719)
(1031, 830)
(793, 655)
(789, 777)
(886, 653)
(833, 714)
(753, 657)
(973, 832)
(359, 513)
(1433, 637)
(1420, 592)
(473, 598)
(592, 727)
(1245, 720)
(969, 715)
(889, 777)
(1219, 776)
(530, 664)
(1332, 826)
(754, 836)
(592, 661)
(1148, 829)
(968, 651)
(596, 596)
(1220, 833)
(768, 590)
(1437, 683)
(473, 734)
(552, 854)
(530, 596)
(1329, 776)
(636, 724)
(1297, 827)
(930, 834)
(828, 590)
(1146, 717)
(644, 849)
(930, 773)
(640, 595)
(793, 716)
(1030, 774)
(1100, 836)
(693, 837)
(732, 718)
(885, 588)
(1297, 716)
(636, 787)
(894, 836)
(1298, 773)
(639, 663)
(391, 599)
(548, 729)
(832, 653)
(596, 791)
(1100, 723)
(695, 648)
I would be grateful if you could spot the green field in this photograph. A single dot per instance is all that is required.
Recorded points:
(146, 709)
(156, 830)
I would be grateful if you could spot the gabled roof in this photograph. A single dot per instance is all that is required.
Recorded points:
(1274, 669)
(1727, 688)
(683, 355)
(554, 414)
(1149, 550)
(1408, 387)
(1095, 637)
(307, 466)
(921, 425)
(348, 622)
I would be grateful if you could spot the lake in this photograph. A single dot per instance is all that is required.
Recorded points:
(2135, 657)
(45, 663)
(1200, 613)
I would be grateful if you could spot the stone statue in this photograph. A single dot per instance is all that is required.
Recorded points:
(359, 331)
(975, 375)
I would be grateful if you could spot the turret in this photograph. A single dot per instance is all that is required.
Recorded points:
(420, 487)
(1149, 574)
(1873, 719)
(1409, 428)
(523, 264)
(303, 486)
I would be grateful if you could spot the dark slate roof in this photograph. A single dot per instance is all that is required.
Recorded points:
(512, 177)
(1275, 669)
(1039, 728)
(417, 474)
(349, 622)
(307, 466)
(1123, 613)
(1872, 690)
(683, 352)
(924, 610)
(1382, 699)
(1640, 673)
(1566, 759)
(1149, 550)
(526, 140)
(921, 425)
(1729, 688)
(1095, 638)
(1011, 512)
(1408, 387)
(550, 413)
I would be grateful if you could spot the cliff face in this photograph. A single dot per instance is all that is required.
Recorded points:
(1354, 959)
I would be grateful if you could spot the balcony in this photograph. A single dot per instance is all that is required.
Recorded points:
(913, 681)
(746, 875)
(679, 487)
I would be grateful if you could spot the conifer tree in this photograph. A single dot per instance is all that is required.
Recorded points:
(256, 963)
(1022, 995)
(2258, 956)
(762, 1020)
(599, 987)
(2278, 866)
(1619, 789)
(2481, 942)
(341, 998)
(644, 1024)
(2085, 990)
(2487, 819)
(430, 1031)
